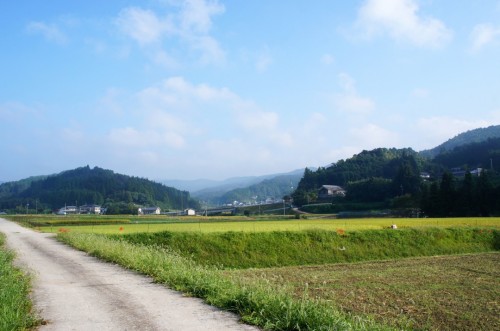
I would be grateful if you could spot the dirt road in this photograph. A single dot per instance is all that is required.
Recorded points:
(73, 291)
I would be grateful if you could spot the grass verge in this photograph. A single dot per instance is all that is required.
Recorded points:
(254, 302)
(15, 304)
(242, 250)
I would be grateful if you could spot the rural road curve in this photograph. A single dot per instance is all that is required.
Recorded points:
(74, 291)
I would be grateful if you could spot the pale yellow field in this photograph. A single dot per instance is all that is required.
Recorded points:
(204, 225)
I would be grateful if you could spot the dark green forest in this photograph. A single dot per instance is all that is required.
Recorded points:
(118, 193)
(406, 181)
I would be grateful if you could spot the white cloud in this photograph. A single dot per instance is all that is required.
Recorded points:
(400, 19)
(349, 100)
(483, 35)
(190, 25)
(49, 31)
(143, 25)
(196, 15)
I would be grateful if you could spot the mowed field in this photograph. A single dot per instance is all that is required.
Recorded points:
(386, 275)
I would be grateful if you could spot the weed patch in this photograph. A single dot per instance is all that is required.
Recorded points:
(15, 305)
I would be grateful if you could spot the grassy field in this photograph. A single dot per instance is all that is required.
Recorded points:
(133, 224)
(15, 304)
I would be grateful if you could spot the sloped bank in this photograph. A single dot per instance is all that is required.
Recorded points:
(289, 248)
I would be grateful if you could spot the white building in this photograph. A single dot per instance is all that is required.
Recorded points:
(149, 211)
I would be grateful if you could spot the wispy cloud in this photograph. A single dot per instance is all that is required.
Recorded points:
(50, 32)
(143, 25)
(349, 100)
(401, 21)
(190, 24)
(483, 35)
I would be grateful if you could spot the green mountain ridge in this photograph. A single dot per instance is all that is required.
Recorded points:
(471, 136)
(118, 193)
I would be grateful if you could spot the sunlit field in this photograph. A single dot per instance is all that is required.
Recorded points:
(431, 274)
(204, 224)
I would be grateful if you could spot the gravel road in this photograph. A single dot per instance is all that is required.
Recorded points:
(74, 291)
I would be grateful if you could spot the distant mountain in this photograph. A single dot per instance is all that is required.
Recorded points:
(246, 189)
(198, 185)
(118, 193)
(472, 136)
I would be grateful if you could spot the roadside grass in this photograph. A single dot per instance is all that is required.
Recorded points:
(459, 292)
(15, 304)
(133, 224)
(242, 250)
(253, 301)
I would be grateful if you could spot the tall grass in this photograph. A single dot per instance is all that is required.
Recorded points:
(255, 303)
(15, 304)
(288, 248)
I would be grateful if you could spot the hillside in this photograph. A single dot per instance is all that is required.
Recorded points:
(251, 189)
(468, 137)
(485, 154)
(118, 193)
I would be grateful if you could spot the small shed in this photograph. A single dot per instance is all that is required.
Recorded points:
(189, 212)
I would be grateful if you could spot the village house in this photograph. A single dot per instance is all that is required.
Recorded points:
(330, 191)
(149, 211)
(90, 209)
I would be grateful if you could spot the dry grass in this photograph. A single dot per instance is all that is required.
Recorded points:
(433, 293)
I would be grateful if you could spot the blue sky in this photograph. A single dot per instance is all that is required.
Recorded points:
(186, 89)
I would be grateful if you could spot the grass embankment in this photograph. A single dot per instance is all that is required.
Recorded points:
(15, 304)
(285, 248)
(256, 304)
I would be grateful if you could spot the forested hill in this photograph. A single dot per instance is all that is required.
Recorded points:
(464, 138)
(85, 185)
(485, 154)
(395, 169)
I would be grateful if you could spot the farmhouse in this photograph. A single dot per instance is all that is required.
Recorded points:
(68, 210)
(149, 211)
(90, 209)
(330, 191)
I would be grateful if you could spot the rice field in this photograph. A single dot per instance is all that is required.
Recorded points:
(209, 225)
